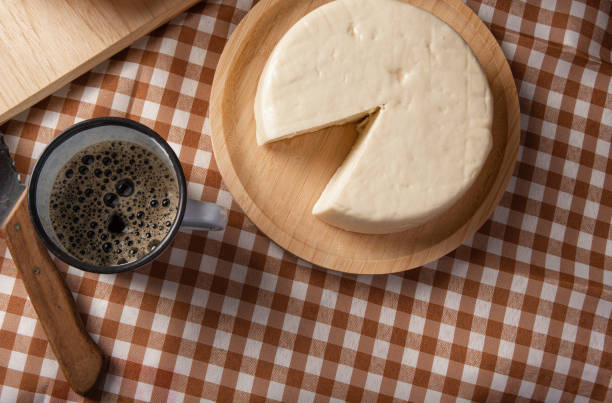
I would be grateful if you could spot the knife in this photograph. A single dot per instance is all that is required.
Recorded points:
(80, 359)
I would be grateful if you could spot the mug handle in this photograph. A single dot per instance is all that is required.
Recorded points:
(200, 215)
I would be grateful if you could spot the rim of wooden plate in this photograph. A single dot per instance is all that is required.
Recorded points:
(243, 58)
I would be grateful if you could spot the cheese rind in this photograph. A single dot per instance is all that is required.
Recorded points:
(431, 133)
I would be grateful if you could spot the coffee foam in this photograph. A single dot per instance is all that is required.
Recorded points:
(113, 203)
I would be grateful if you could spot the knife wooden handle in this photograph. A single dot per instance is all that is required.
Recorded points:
(80, 358)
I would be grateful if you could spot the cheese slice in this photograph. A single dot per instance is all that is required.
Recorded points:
(427, 104)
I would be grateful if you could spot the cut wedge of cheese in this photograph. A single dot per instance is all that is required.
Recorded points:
(427, 104)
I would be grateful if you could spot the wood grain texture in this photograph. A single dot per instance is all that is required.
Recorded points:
(46, 44)
(278, 184)
(80, 358)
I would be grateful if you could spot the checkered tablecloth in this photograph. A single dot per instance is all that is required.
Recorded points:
(522, 310)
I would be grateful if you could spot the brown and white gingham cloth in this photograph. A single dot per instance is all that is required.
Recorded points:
(521, 311)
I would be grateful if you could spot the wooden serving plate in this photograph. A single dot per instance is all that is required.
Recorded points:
(277, 184)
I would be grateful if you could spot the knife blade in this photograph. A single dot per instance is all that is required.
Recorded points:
(80, 359)
(10, 186)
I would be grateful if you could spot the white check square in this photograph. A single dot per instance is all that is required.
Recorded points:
(569, 332)
(453, 300)
(410, 357)
(470, 374)
(275, 391)
(344, 374)
(499, 382)
(183, 365)
(252, 348)
(291, 323)
(439, 365)
(245, 382)
(417, 324)
(526, 390)
(373, 382)
(562, 365)
(213, 374)
(476, 341)
(381, 349)
(230, 306)
(351, 340)
(283, 357)
(446, 333)
(314, 365)
(506, 349)
(534, 358)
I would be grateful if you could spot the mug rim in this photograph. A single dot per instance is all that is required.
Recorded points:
(77, 129)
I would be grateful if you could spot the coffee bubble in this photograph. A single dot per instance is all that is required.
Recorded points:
(125, 187)
(111, 199)
(87, 159)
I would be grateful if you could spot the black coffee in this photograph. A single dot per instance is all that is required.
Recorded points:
(113, 203)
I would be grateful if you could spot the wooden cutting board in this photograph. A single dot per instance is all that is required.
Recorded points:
(46, 44)
(277, 184)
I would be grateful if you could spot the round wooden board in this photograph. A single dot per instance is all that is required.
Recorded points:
(277, 184)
